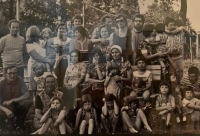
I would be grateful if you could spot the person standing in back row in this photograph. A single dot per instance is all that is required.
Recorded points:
(13, 49)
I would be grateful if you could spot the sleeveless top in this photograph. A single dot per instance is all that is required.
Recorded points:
(121, 41)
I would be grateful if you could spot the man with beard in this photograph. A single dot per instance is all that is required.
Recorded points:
(192, 80)
(141, 81)
(137, 34)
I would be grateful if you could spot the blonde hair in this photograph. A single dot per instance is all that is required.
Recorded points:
(32, 34)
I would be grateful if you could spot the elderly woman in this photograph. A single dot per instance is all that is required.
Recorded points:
(81, 42)
(124, 76)
(74, 76)
(36, 52)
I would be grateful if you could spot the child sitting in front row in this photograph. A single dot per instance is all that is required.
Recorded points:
(50, 117)
(86, 117)
(165, 103)
(132, 115)
(191, 106)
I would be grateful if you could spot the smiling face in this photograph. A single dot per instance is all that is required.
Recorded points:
(39, 70)
(77, 22)
(108, 21)
(104, 32)
(171, 26)
(115, 54)
(193, 77)
(50, 84)
(110, 105)
(78, 35)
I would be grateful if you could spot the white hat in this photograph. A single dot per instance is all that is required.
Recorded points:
(117, 47)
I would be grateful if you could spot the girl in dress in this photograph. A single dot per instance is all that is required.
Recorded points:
(86, 117)
(50, 117)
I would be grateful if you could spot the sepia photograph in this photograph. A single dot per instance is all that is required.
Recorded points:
(99, 67)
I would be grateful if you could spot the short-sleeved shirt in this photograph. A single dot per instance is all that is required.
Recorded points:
(141, 81)
(12, 49)
(11, 90)
(160, 100)
(185, 102)
(196, 87)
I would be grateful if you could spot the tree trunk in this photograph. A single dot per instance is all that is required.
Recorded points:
(183, 11)
(11, 3)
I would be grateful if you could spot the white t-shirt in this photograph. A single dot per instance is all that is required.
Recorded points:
(185, 102)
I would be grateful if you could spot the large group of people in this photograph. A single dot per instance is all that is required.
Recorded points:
(85, 83)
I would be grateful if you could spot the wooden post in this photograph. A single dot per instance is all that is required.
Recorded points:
(17, 10)
(197, 45)
(83, 14)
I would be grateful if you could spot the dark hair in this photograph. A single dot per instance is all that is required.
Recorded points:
(86, 98)
(192, 70)
(50, 76)
(75, 51)
(165, 83)
(10, 67)
(139, 59)
(139, 16)
(160, 28)
(110, 97)
(81, 30)
(56, 98)
(167, 20)
(59, 25)
(123, 16)
(32, 34)
(148, 29)
(188, 88)
(38, 63)
(13, 21)
(103, 19)
(94, 51)
(78, 17)
(178, 22)
(130, 99)
(106, 26)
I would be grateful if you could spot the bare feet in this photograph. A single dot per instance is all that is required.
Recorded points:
(132, 130)
(148, 128)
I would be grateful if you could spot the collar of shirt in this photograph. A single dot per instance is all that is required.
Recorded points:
(81, 43)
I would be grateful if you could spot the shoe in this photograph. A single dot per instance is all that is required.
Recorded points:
(132, 130)
(184, 118)
(178, 120)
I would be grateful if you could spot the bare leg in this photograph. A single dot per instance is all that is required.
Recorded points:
(91, 126)
(105, 123)
(62, 128)
(82, 127)
(146, 95)
(168, 118)
(69, 130)
(114, 123)
(126, 120)
(141, 118)
(46, 126)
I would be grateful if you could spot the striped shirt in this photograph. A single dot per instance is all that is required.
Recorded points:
(12, 49)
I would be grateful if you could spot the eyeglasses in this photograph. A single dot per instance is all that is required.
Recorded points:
(120, 21)
(12, 73)
(138, 21)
